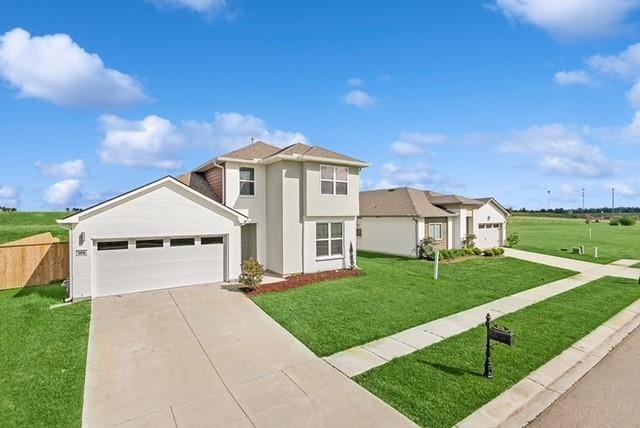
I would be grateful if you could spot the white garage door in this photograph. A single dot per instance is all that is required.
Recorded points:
(489, 235)
(127, 266)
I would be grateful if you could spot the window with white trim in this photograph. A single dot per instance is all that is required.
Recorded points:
(247, 181)
(334, 180)
(435, 231)
(329, 239)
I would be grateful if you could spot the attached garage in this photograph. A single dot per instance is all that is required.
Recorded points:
(489, 235)
(162, 235)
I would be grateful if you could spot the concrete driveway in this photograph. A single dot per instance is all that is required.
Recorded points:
(207, 356)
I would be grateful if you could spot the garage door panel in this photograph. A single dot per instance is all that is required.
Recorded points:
(489, 235)
(139, 269)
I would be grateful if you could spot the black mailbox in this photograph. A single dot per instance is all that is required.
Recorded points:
(502, 335)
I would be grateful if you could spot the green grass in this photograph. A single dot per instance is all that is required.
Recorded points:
(442, 384)
(42, 358)
(18, 225)
(554, 235)
(396, 294)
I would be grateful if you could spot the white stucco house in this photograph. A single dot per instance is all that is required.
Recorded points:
(294, 209)
(394, 221)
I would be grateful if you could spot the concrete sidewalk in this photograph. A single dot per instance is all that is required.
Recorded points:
(606, 396)
(207, 356)
(360, 359)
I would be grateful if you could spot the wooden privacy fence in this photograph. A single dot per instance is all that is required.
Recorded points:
(36, 260)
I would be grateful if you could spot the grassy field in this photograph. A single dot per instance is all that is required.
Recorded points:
(42, 356)
(18, 225)
(395, 294)
(557, 236)
(442, 384)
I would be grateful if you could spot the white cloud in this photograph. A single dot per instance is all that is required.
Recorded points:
(231, 130)
(574, 77)
(417, 175)
(633, 95)
(54, 68)
(9, 196)
(413, 143)
(560, 151)
(359, 99)
(62, 193)
(210, 7)
(625, 65)
(150, 142)
(570, 18)
(69, 169)
(629, 189)
(355, 81)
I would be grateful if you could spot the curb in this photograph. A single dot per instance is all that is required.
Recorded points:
(524, 401)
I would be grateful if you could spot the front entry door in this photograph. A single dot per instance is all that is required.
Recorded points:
(249, 247)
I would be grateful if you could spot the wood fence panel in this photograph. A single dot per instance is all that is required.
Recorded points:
(33, 264)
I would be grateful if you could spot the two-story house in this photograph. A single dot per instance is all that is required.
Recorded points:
(294, 209)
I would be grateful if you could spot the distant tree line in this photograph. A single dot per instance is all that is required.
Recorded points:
(604, 212)
(7, 209)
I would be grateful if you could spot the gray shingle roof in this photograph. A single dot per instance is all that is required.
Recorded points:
(261, 150)
(400, 202)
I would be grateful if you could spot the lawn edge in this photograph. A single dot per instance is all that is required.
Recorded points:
(527, 399)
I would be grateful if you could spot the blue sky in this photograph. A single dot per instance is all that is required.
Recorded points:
(508, 98)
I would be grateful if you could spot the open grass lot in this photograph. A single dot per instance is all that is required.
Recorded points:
(18, 225)
(395, 294)
(442, 384)
(553, 235)
(42, 355)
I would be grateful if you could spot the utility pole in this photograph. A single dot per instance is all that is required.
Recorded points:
(613, 200)
(548, 200)
(583, 199)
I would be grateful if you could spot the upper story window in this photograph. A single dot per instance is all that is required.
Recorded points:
(334, 180)
(247, 181)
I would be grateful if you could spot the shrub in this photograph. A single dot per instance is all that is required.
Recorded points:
(469, 240)
(498, 251)
(477, 251)
(445, 255)
(352, 263)
(488, 252)
(427, 248)
(468, 251)
(614, 221)
(513, 239)
(627, 221)
(251, 276)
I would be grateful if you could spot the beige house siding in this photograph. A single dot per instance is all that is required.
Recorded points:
(274, 218)
(291, 217)
(441, 244)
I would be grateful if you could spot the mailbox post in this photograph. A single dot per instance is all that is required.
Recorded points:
(499, 334)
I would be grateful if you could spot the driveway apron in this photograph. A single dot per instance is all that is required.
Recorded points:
(207, 356)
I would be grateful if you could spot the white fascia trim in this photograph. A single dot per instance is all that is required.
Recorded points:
(132, 194)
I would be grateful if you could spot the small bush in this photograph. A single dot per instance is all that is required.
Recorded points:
(468, 252)
(498, 251)
(469, 241)
(614, 221)
(251, 276)
(627, 221)
(513, 239)
(488, 252)
(477, 251)
(427, 248)
(445, 254)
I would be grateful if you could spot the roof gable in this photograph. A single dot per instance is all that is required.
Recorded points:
(133, 194)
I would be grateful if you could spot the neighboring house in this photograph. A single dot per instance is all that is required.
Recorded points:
(294, 209)
(394, 221)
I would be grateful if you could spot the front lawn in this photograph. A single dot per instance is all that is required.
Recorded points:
(18, 225)
(442, 384)
(557, 236)
(42, 358)
(396, 294)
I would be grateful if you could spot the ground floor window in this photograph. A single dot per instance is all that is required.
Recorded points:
(329, 238)
(435, 231)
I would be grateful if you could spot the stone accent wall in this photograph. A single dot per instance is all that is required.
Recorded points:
(442, 244)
